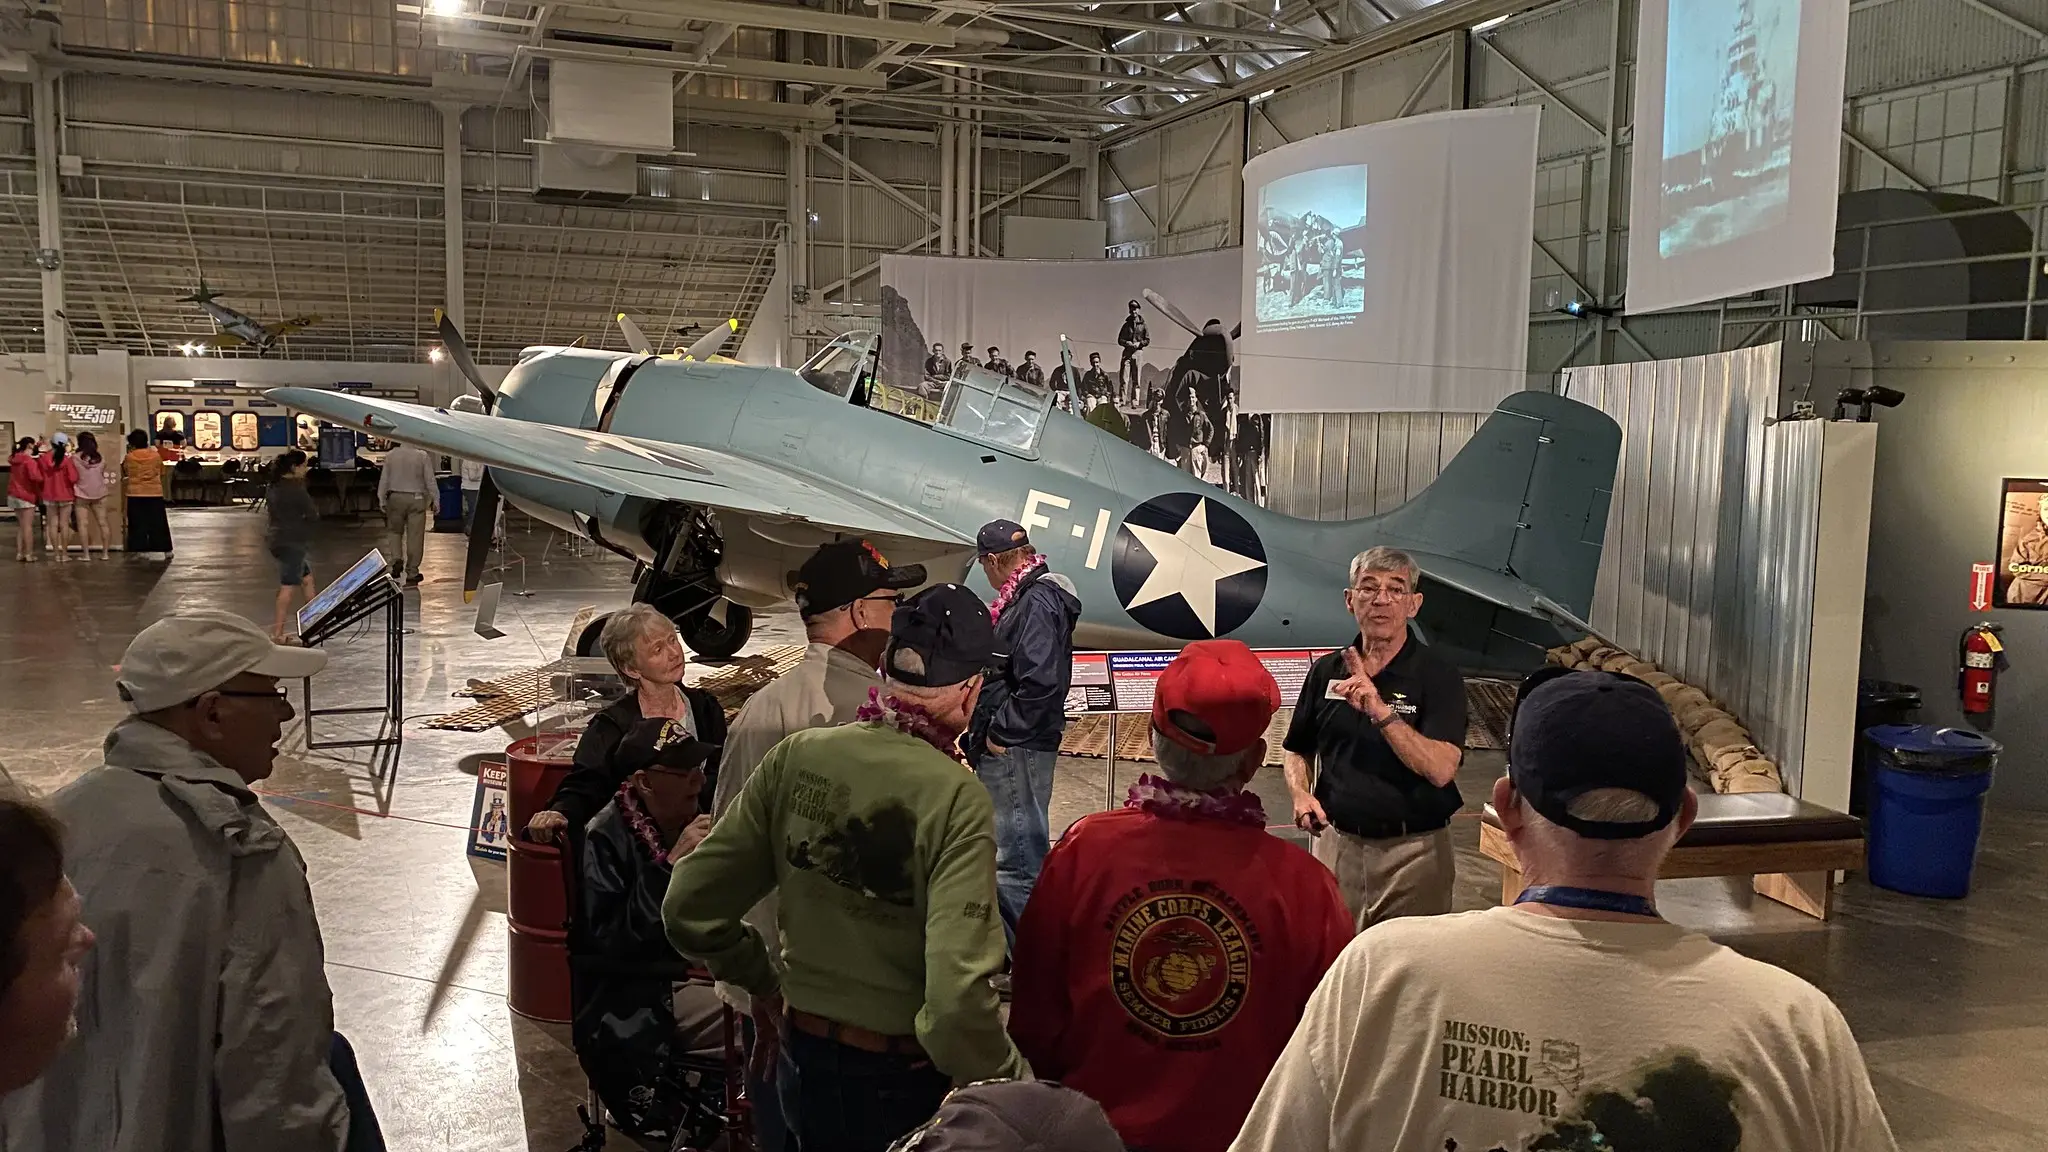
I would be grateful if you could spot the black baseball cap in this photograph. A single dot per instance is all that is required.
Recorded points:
(843, 571)
(659, 743)
(1575, 732)
(940, 637)
(999, 536)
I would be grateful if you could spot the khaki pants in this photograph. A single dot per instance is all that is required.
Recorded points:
(1382, 879)
(405, 526)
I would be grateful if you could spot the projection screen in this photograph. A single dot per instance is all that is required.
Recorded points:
(1386, 267)
(1738, 147)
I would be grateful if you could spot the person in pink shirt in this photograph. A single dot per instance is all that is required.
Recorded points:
(92, 496)
(60, 492)
(24, 492)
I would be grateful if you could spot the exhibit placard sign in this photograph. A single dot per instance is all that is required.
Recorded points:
(1386, 267)
(1738, 147)
(1127, 681)
(490, 829)
(358, 577)
(75, 412)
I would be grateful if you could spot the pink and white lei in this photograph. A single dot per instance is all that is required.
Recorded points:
(644, 828)
(1008, 591)
(1162, 797)
(908, 718)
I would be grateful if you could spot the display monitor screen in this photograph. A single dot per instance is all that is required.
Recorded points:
(358, 577)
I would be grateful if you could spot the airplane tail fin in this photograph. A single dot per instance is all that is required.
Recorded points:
(1559, 457)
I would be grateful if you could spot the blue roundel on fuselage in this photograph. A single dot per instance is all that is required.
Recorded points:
(1188, 566)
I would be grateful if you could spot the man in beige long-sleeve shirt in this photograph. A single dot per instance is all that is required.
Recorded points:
(405, 491)
(847, 594)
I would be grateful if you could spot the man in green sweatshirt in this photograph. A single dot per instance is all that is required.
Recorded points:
(881, 847)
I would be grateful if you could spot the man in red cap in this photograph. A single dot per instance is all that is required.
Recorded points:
(1169, 947)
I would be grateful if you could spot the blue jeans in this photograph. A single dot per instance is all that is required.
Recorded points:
(771, 1134)
(841, 1099)
(1019, 781)
(364, 1133)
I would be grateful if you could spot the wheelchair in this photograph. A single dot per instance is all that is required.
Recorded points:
(714, 1111)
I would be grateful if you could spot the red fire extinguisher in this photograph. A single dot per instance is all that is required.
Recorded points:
(1983, 656)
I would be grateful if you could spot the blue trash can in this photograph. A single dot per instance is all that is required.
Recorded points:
(448, 504)
(1927, 807)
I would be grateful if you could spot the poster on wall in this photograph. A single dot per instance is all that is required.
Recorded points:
(1152, 343)
(1738, 147)
(1387, 265)
(2022, 580)
(102, 415)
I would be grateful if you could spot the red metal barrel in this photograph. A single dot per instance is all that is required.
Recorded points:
(537, 964)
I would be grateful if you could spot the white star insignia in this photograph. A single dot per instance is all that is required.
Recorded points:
(1189, 563)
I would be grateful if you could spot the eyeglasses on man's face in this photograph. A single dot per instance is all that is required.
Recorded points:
(1373, 592)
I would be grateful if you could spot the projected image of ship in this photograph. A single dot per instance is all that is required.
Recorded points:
(1739, 179)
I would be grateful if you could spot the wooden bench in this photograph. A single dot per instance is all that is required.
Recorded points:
(1790, 849)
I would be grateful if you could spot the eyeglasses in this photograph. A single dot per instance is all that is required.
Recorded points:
(278, 697)
(1374, 593)
(883, 599)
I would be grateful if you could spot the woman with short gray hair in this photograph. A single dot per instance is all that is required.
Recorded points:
(644, 648)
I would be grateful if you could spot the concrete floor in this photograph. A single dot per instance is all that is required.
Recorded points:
(1946, 998)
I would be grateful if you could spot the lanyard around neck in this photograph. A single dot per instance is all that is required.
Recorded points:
(1591, 899)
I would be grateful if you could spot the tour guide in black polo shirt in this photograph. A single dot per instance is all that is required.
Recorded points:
(1383, 724)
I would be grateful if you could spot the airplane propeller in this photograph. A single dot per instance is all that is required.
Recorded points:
(1181, 318)
(635, 339)
(708, 345)
(458, 354)
(483, 525)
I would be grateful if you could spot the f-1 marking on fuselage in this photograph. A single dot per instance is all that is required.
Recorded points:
(718, 479)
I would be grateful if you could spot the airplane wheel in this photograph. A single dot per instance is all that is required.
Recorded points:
(714, 641)
(586, 644)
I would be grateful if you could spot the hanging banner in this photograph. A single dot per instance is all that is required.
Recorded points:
(1152, 345)
(1387, 266)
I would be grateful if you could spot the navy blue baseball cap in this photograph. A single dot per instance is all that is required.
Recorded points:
(1575, 732)
(940, 637)
(999, 536)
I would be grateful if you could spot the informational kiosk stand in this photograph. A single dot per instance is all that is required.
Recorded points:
(1119, 682)
(360, 593)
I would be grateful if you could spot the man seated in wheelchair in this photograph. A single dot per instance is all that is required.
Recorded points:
(650, 1044)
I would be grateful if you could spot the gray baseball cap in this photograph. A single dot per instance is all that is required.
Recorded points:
(1014, 1116)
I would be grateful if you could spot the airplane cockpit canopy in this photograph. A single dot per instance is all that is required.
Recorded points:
(838, 365)
(978, 404)
(994, 408)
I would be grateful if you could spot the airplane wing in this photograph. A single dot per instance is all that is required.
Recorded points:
(625, 465)
(224, 338)
(1496, 588)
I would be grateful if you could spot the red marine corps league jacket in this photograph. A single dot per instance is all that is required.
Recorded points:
(1162, 964)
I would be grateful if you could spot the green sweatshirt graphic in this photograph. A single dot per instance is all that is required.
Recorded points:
(882, 850)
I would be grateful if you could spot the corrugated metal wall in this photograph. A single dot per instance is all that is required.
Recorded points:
(1342, 465)
(1712, 534)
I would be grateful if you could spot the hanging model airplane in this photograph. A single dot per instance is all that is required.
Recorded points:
(239, 328)
(718, 479)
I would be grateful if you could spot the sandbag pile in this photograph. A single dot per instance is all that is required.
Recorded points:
(1720, 745)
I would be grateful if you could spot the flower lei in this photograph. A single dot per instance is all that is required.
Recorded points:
(908, 718)
(645, 830)
(1008, 592)
(1162, 797)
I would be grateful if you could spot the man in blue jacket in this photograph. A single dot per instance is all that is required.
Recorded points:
(1014, 739)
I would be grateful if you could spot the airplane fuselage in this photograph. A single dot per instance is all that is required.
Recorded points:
(250, 332)
(1158, 557)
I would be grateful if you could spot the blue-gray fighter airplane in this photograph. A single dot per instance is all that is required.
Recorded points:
(232, 327)
(718, 479)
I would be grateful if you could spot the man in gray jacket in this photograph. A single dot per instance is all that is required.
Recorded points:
(205, 1021)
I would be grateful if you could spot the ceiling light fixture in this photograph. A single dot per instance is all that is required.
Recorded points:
(435, 355)
(445, 7)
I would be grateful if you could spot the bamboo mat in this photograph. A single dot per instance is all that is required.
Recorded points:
(505, 699)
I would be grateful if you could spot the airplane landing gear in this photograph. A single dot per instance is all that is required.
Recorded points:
(713, 639)
(714, 628)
